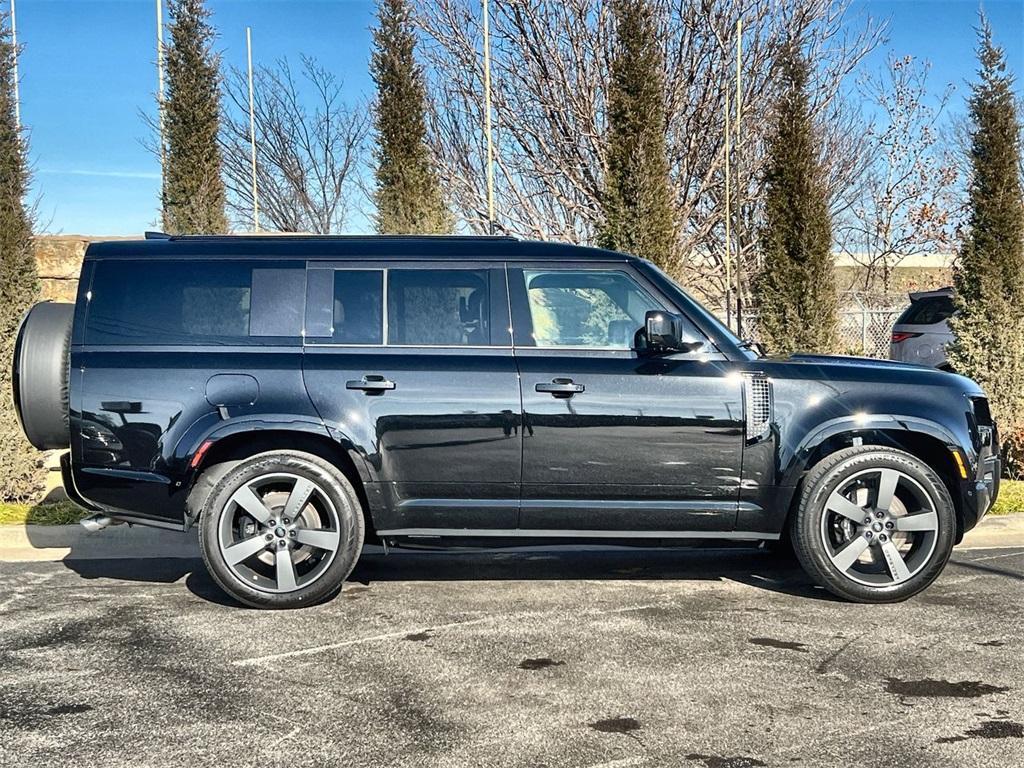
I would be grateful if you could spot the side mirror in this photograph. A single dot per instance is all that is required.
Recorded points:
(663, 333)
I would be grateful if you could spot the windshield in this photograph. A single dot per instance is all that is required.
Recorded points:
(928, 311)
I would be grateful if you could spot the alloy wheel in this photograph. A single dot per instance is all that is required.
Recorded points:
(880, 527)
(279, 532)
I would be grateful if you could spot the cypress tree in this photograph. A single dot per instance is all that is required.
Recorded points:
(795, 290)
(193, 191)
(20, 466)
(408, 195)
(989, 279)
(636, 202)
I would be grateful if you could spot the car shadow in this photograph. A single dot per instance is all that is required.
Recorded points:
(751, 566)
(747, 565)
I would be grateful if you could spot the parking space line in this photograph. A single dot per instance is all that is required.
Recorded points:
(255, 660)
(355, 641)
(996, 557)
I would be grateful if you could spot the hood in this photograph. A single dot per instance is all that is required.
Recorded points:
(921, 373)
(860, 362)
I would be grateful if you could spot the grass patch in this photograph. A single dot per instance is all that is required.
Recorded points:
(1011, 498)
(58, 513)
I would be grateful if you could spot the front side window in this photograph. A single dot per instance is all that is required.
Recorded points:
(194, 302)
(438, 307)
(586, 308)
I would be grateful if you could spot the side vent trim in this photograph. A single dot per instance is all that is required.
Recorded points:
(757, 391)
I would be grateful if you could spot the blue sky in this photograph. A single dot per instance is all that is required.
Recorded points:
(88, 69)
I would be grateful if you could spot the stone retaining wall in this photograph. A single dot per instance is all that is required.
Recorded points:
(59, 260)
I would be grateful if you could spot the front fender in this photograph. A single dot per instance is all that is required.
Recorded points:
(797, 461)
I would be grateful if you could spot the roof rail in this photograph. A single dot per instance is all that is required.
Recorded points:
(151, 235)
(305, 236)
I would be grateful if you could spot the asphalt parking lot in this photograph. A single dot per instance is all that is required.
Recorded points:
(614, 658)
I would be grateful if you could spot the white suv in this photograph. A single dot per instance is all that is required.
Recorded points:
(921, 334)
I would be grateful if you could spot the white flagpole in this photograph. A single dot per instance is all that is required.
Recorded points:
(739, 189)
(728, 213)
(17, 88)
(160, 94)
(487, 118)
(252, 137)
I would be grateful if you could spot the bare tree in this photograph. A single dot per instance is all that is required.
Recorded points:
(907, 203)
(550, 72)
(310, 148)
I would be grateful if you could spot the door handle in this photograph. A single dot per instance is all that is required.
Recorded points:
(560, 388)
(371, 384)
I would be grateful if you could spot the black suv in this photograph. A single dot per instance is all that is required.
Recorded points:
(293, 396)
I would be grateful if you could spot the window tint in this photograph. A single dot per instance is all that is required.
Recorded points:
(927, 311)
(357, 316)
(438, 307)
(586, 308)
(277, 302)
(344, 306)
(223, 302)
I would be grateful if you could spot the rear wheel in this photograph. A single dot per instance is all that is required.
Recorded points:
(874, 524)
(282, 530)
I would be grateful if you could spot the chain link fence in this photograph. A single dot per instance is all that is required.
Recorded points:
(864, 327)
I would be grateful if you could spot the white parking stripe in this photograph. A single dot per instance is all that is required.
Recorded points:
(356, 641)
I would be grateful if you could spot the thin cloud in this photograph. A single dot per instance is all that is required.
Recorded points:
(105, 174)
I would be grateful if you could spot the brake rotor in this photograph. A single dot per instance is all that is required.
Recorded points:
(872, 556)
(308, 518)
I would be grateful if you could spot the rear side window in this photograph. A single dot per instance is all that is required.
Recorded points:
(345, 306)
(439, 307)
(195, 302)
(928, 311)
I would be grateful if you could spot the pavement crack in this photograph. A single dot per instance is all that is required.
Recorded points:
(822, 667)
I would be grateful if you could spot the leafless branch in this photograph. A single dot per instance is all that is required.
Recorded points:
(310, 148)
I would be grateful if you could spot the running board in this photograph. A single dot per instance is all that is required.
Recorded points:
(514, 533)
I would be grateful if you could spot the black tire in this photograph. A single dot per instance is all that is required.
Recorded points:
(256, 580)
(41, 372)
(825, 539)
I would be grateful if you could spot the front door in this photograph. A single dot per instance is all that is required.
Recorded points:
(412, 364)
(616, 443)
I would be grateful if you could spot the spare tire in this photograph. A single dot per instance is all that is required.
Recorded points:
(41, 374)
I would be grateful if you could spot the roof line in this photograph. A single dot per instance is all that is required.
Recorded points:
(300, 236)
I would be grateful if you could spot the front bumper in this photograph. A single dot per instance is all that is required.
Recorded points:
(979, 493)
(987, 484)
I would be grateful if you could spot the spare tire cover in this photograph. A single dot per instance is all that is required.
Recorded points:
(41, 374)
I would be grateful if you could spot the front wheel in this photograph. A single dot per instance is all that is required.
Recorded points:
(281, 530)
(874, 524)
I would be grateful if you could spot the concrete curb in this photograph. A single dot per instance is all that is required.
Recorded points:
(1002, 531)
(42, 543)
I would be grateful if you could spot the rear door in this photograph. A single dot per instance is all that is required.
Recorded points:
(412, 363)
(616, 443)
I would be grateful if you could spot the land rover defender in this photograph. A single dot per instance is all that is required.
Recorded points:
(295, 396)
